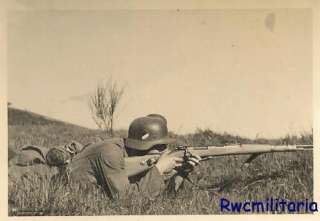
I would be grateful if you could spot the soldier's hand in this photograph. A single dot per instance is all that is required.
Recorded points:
(194, 160)
(191, 163)
(167, 162)
(184, 171)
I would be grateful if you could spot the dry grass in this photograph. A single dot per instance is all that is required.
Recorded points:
(282, 175)
(285, 175)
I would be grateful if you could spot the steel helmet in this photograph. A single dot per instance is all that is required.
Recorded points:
(145, 132)
(158, 116)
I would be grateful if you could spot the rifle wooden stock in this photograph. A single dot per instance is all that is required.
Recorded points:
(139, 164)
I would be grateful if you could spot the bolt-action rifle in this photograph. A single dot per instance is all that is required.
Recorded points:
(138, 164)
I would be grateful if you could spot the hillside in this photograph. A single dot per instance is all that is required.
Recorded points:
(27, 118)
(284, 175)
(26, 127)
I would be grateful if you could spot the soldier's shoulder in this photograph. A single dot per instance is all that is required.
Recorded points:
(109, 148)
(112, 151)
(115, 141)
(110, 144)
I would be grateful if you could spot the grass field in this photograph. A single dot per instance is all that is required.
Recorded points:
(284, 175)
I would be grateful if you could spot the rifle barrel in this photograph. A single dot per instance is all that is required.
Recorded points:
(138, 164)
(247, 149)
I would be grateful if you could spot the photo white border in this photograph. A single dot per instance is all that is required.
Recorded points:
(156, 5)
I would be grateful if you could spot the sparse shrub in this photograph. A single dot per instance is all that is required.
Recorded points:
(104, 102)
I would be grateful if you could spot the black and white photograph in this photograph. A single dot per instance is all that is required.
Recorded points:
(159, 111)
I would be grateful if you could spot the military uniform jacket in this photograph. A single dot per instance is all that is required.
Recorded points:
(103, 164)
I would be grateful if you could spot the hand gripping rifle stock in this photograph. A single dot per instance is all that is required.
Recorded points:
(138, 164)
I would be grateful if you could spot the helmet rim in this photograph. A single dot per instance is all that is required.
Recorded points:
(145, 145)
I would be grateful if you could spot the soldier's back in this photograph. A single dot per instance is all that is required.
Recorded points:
(83, 167)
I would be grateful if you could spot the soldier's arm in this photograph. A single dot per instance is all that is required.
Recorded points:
(116, 182)
(177, 177)
(150, 185)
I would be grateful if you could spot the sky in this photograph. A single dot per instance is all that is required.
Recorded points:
(247, 72)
